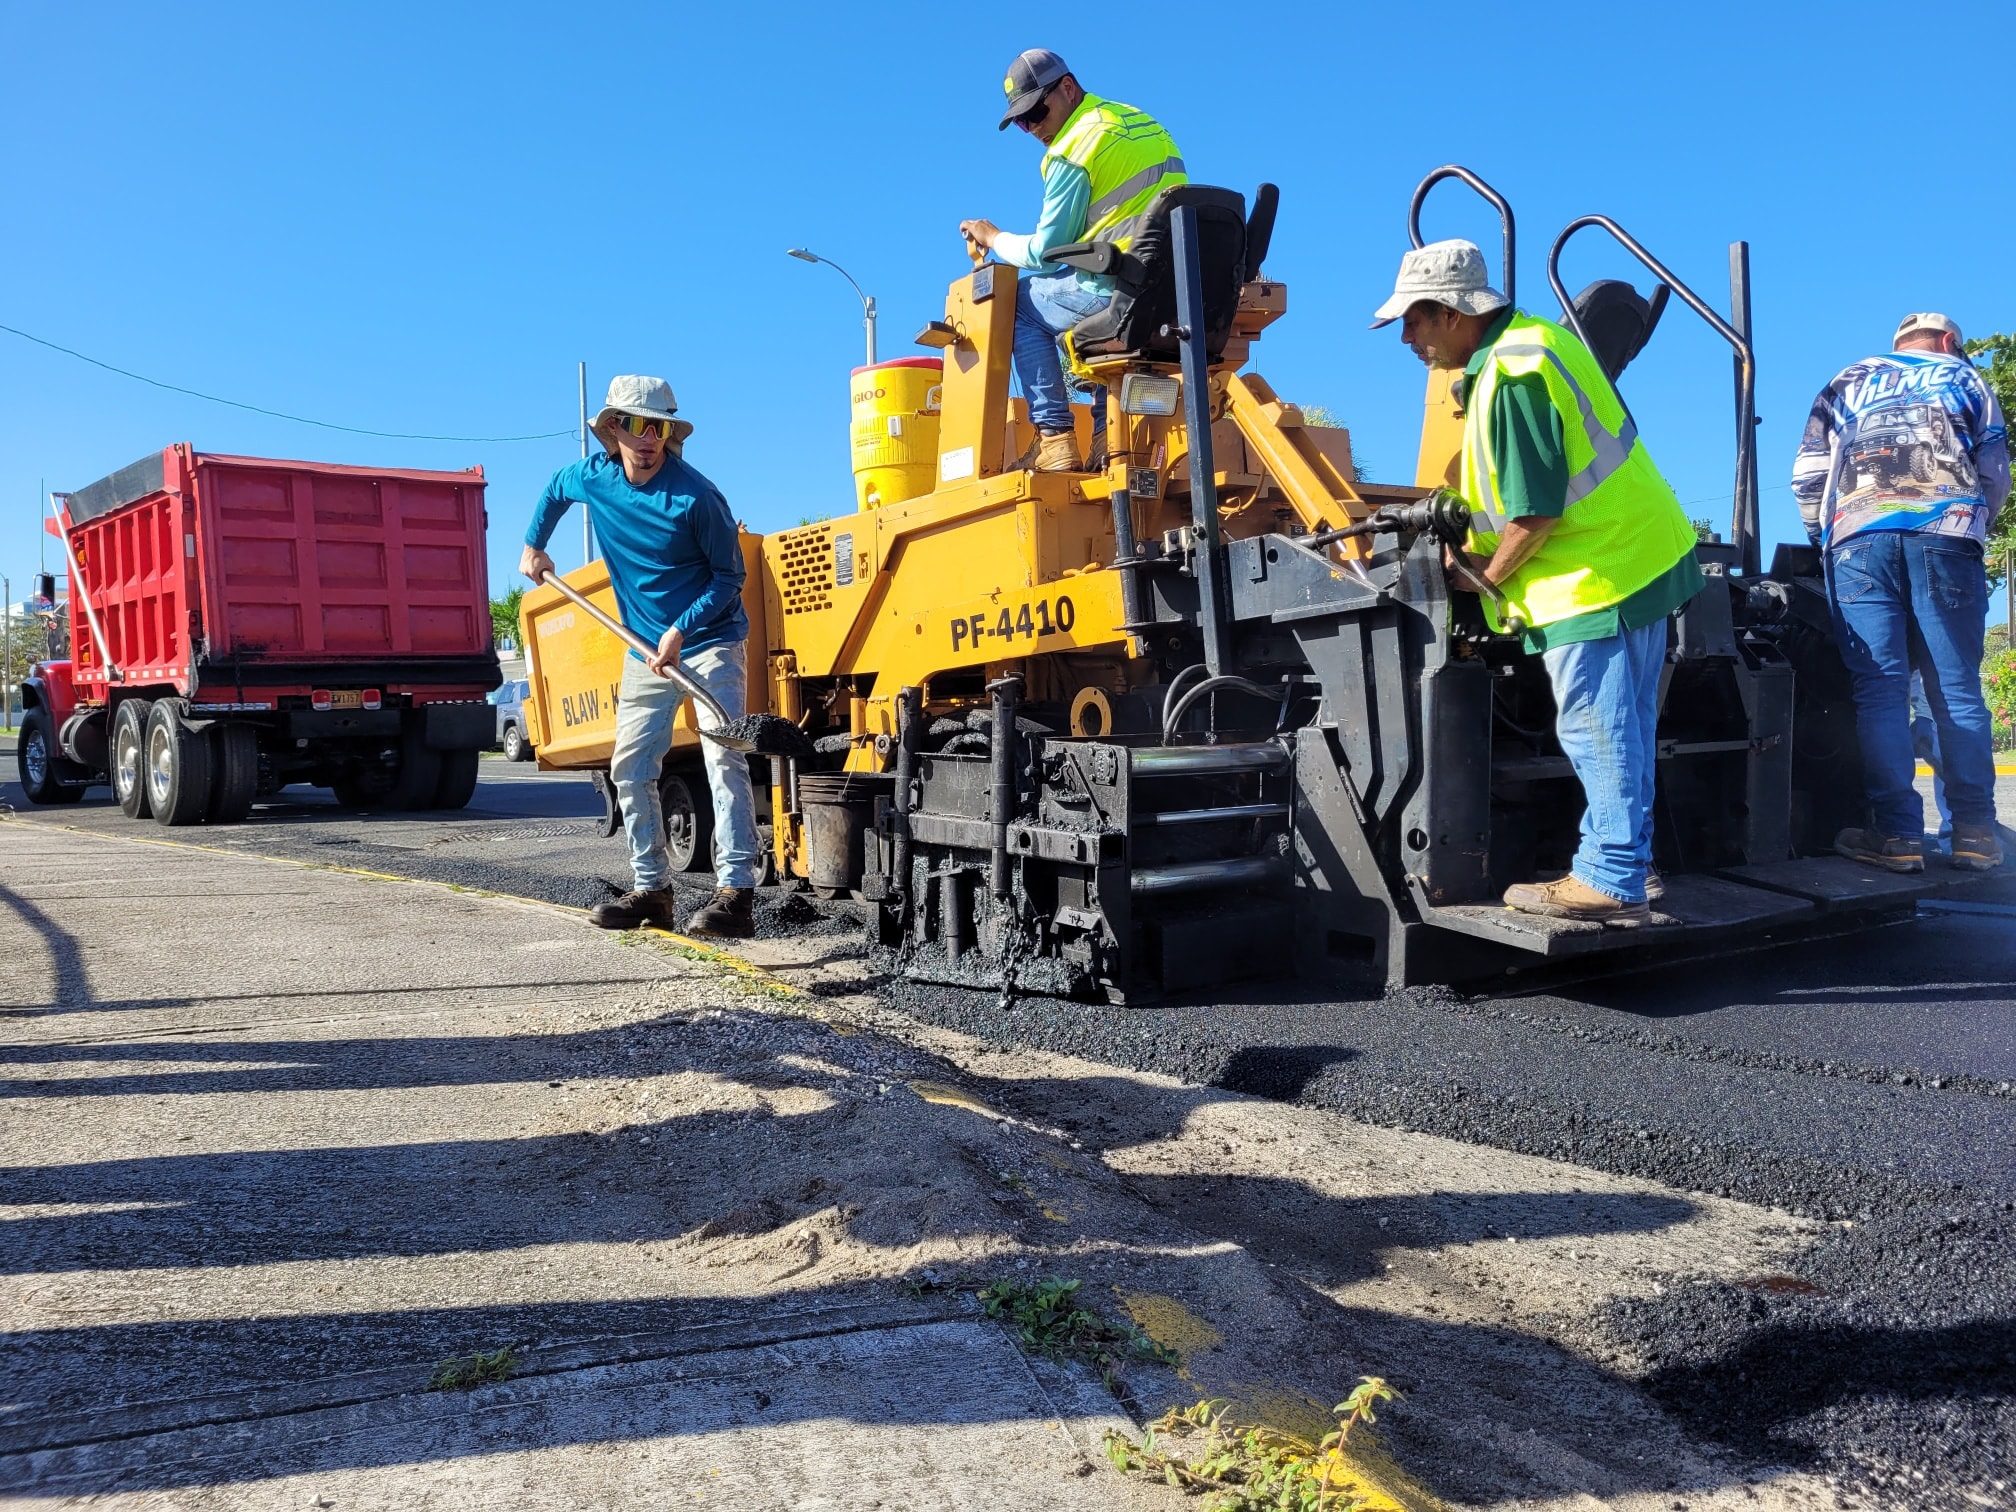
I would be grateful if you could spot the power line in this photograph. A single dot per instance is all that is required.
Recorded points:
(355, 430)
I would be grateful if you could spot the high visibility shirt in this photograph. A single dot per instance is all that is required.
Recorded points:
(1099, 173)
(1522, 436)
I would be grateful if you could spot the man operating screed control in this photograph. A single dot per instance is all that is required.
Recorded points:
(674, 561)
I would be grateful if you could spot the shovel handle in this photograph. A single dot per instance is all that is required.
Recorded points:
(643, 647)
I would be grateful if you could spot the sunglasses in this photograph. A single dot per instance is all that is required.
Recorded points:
(1028, 119)
(637, 425)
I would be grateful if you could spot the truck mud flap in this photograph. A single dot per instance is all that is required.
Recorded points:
(460, 726)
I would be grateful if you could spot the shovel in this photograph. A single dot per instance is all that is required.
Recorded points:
(692, 689)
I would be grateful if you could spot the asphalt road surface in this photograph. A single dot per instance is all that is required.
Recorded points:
(1867, 1080)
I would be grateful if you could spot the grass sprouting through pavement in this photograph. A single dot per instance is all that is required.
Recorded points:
(1253, 1469)
(1049, 1320)
(467, 1372)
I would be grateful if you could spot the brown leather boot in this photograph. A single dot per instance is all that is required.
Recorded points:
(1058, 453)
(729, 914)
(636, 909)
(1570, 898)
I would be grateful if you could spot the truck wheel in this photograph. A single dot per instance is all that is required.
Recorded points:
(689, 820)
(36, 756)
(129, 757)
(178, 767)
(234, 780)
(419, 770)
(1921, 462)
(458, 779)
(516, 746)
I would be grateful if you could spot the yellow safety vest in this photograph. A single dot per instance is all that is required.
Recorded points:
(1127, 155)
(1623, 526)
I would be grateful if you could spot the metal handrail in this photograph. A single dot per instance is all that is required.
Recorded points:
(1744, 526)
(1505, 221)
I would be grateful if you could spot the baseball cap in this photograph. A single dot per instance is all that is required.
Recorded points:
(1029, 75)
(1911, 325)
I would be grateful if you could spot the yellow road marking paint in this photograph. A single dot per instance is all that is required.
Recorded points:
(951, 1097)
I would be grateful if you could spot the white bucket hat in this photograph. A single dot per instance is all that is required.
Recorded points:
(1448, 273)
(651, 398)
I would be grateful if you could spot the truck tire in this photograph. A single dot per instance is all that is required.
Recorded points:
(1921, 462)
(40, 764)
(516, 746)
(234, 778)
(689, 820)
(129, 758)
(178, 767)
(458, 779)
(419, 769)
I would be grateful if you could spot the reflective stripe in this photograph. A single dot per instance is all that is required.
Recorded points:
(1611, 452)
(1114, 198)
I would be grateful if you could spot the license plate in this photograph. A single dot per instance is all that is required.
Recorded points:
(342, 699)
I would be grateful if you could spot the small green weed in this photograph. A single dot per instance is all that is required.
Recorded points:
(1049, 1321)
(1251, 1469)
(1015, 1181)
(467, 1372)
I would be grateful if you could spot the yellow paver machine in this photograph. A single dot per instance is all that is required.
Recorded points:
(1214, 712)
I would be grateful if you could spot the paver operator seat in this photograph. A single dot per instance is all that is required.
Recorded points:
(1139, 324)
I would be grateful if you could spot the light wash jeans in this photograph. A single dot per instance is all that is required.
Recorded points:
(1903, 598)
(1606, 693)
(1045, 308)
(646, 705)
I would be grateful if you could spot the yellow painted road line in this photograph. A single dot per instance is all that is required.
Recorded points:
(2002, 769)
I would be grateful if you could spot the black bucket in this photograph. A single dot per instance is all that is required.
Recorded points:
(837, 809)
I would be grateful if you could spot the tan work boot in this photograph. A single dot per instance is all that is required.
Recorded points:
(1892, 853)
(1571, 898)
(1975, 847)
(1058, 453)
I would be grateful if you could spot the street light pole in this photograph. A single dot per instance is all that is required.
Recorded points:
(867, 300)
(587, 525)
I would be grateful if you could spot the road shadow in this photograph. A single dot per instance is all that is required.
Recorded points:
(68, 976)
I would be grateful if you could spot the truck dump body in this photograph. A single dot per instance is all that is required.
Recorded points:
(212, 570)
(246, 624)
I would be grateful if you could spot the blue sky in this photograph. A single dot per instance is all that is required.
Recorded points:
(418, 218)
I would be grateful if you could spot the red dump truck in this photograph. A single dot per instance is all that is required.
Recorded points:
(239, 624)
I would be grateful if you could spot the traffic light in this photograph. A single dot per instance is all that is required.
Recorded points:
(45, 587)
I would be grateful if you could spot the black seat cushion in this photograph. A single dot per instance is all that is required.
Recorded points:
(1144, 296)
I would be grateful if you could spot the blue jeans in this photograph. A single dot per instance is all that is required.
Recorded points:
(646, 705)
(1045, 308)
(1606, 697)
(1903, 599)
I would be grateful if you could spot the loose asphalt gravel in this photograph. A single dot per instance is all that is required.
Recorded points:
(1867, 1079)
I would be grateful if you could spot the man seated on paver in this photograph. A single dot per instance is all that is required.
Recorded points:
(1903, 466)
(676, 566)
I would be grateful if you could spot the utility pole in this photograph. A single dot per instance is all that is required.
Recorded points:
(6, 654)
(587, 525)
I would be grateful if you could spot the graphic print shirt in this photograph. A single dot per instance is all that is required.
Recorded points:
(1905, 441)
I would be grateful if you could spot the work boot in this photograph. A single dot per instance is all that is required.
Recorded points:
(1096, 460)
(1975, 847)
(1571, 898)
(1892, 853)
(1058, 453)
(1655, 885)
(636, 909)
(730, 914)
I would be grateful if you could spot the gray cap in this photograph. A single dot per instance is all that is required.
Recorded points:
(634, 394)
(1448, 273)
(1028, 76)
(1914, 324)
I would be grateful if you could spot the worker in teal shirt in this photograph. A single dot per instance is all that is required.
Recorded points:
(675, 564)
